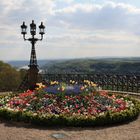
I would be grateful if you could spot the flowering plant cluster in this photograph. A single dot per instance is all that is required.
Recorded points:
(73, 87)
(45, 100)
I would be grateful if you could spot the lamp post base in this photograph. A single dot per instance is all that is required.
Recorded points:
(33, 76)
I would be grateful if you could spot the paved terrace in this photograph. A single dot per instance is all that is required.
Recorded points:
(21, 131)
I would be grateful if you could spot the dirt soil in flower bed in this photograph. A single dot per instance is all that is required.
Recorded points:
(22, 131)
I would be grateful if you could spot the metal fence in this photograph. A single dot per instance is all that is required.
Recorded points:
(129, 83)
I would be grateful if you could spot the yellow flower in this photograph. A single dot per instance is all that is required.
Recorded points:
(82, 88)
(85, 81)
(73, 82)
(39, 86)
(94, 85)
(62, 89)
(85, 86)
(52, 83)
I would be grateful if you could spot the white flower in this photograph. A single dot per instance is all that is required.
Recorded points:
(8, 108)
(34, 114)
(24, 109)
(27, 104)
(101, 114)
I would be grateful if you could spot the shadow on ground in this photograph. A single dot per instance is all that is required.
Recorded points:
(57, 128)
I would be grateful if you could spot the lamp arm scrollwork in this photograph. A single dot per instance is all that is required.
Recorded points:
(40, 39)
(24, 38)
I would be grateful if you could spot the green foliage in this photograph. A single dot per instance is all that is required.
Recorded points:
(116, 65)
(9, 77)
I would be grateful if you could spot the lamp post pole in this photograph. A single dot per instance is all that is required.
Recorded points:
(32, 74)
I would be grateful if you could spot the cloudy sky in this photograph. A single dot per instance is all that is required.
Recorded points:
(74, 28)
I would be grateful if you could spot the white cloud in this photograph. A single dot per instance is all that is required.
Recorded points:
(73, 28)
(110, 16)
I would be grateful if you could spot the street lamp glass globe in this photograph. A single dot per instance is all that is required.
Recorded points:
(33, 28)
(23, 28)
(41, 29)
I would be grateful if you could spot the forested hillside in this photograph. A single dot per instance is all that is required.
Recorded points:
(106, 65)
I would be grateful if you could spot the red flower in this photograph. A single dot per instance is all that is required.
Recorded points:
(79, 111)
(89, 110)
(76, 106)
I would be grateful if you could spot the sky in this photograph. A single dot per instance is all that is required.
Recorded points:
(74, 28)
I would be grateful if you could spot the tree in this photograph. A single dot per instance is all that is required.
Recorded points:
(9, 77)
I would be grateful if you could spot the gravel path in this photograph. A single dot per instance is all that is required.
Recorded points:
(21, 131)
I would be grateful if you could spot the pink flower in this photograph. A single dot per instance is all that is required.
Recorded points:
(79, 111)
(76, 106)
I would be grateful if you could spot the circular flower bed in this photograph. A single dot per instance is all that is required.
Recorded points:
(69, 104)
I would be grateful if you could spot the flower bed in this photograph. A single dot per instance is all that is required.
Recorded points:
(69, 104)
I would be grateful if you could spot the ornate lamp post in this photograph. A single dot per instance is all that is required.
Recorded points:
(32, 74)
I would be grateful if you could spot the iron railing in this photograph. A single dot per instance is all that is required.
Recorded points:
(129, 83)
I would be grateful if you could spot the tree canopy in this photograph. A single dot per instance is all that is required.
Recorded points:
(9, 77)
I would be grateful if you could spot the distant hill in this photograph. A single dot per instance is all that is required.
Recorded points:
(88, 65)
(102, 65)
(18, 64)
(22, 63)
